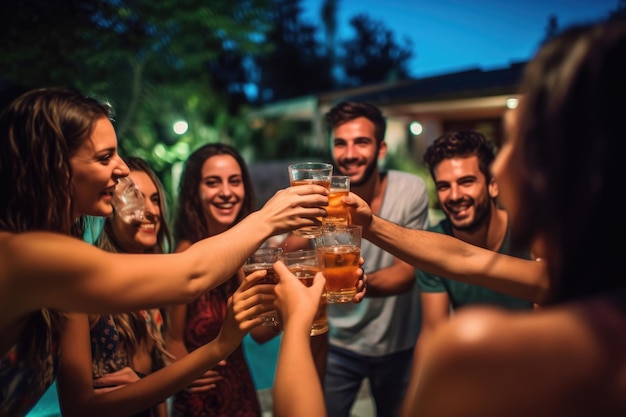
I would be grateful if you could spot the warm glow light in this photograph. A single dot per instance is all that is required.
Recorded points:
(416, 128)
(511, 103)
(180, 127)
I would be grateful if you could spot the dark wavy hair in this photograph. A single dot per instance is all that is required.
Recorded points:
(461, 144)
(572, 146)
(346, 111)
(39, 132)
(190, 223)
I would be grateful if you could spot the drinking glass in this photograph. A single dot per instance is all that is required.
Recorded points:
(341, 248)
(310, 173)
(304, 264)
(128, 201)
(264, 258)
(338, 214)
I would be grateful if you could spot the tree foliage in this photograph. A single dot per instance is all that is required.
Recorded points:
(373, 55)
(154, 60)
(161, 61)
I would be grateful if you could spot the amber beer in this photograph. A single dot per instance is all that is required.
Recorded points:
(263, 259)
(341, 264)
(271, 317)
(305, 274)
(303, 173)
(337, 213)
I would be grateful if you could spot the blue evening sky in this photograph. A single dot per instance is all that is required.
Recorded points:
(453, 35)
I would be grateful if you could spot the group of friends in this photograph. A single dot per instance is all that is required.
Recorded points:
(518, 306)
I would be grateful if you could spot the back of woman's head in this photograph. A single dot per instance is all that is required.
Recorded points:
(572, 141)
(39, 131)
(190, 223)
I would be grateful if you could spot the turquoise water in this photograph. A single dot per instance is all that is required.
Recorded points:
(261, 360)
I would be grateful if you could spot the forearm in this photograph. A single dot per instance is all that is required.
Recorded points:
(297, 388)
(452, 258)
(157, 386)
(393, 280)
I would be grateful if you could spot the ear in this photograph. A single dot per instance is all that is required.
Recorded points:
(493, 188)
(382, 150)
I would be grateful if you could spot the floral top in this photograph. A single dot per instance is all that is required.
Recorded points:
(106, 351)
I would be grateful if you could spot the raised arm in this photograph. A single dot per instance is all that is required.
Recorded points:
(452, 258)
(77, 397)
(46, 270)
(297, 389)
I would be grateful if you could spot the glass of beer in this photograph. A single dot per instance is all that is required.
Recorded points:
(304, 264)
(264, 258)
(310, 173)
(338, 214)
(341, 248)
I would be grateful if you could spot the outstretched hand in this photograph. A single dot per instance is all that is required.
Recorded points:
(360, 211)
(245, 306)
(294, 207)
(296, 303)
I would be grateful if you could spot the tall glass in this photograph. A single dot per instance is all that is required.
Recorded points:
(310, 173)
(264, 258)
(341, 248)
(304, 264)
(338, 214)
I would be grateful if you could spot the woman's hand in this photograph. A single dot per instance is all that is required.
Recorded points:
(296, 303)
(294, 207)
(244, 307)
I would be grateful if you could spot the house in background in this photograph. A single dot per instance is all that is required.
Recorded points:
(417, 110)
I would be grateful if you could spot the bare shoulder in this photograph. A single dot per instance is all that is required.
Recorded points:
(492, 361)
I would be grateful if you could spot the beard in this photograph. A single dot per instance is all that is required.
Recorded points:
(370, 169)
(482, 212)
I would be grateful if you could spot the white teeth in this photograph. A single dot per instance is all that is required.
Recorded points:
(225, 206)
(150, 226)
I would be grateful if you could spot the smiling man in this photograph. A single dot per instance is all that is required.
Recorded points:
(459, 163)
(374, 340)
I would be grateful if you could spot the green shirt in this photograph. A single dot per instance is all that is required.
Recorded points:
(460, 293)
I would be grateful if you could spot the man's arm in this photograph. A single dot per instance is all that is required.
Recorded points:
(452, 258)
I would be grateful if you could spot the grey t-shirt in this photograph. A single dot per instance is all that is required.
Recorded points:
(380, 326)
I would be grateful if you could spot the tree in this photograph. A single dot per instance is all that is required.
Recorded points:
(372, 55)
(152, 60)
(297, 64)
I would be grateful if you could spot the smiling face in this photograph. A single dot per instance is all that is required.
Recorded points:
(221, 192)
(463, 192)
(356, 151)
(140, 236)
(96, 166)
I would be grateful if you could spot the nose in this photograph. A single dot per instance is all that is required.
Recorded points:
(151, 207)
(455, 192)
(225, 190)
(350, 152)
(121, 169)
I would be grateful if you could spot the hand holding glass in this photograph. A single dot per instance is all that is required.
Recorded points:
(310, 173)
(341, 247)
(264, 258)
(304, 264)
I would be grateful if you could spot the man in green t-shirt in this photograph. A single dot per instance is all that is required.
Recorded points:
(459, 165)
